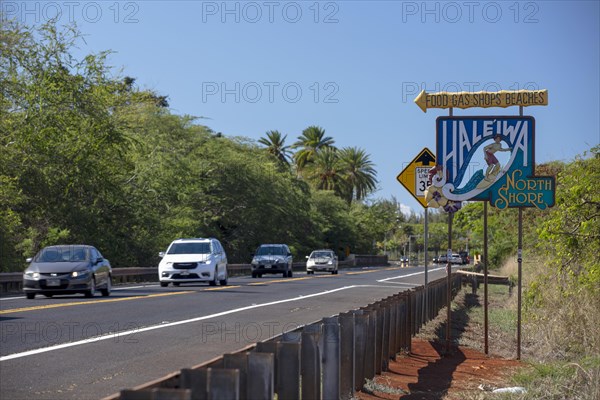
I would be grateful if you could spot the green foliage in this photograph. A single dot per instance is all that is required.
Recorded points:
(87, 157)
(572, 231)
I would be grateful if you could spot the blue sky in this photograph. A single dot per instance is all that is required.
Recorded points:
(351, 67)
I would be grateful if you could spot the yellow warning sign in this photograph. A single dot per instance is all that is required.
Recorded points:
(415, 177)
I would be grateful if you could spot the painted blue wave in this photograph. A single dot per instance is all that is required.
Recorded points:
(472, 184)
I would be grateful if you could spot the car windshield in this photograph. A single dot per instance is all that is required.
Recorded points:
(321, 254)
(62, 254)
(189, 248)
(271, 251)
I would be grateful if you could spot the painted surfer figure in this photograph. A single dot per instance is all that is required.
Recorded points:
(491, 160)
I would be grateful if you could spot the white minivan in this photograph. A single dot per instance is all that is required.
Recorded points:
(193, 260)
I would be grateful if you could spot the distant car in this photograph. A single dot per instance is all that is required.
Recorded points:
(404, 260)
(272, 259)
(322, 260)
(456, 259)
(442, 259)
(193, 260)
(435, 259)
(67, 269)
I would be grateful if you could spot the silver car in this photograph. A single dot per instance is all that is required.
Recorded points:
(322, 260)
(67, 269)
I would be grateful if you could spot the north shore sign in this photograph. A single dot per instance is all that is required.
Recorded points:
(471, 167)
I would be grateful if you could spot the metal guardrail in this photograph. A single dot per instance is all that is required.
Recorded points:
(328, 359)
(475, 279)
(13, 281)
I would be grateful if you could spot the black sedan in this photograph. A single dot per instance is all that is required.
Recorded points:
(67, 269)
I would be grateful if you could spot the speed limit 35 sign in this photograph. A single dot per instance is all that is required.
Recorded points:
(415, 177)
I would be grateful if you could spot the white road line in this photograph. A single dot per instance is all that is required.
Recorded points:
(168, 325)
(406, 276)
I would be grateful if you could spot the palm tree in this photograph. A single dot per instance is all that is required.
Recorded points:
(275, 144)
(358, 173)
(324, 170)
(309, 143)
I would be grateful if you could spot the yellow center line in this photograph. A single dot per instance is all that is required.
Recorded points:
(325, 276)
(391, 268)
(361, 272)
(80, 303)
(278, 280)
(223, 288)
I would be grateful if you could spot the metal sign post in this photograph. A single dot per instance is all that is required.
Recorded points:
(426, 244)
(415, 178)
(449, 284)
(519, 260)
(485, 279)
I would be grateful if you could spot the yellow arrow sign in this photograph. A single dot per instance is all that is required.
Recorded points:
(415, 177)
(503, 98)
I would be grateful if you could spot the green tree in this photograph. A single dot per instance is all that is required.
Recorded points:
(358, 172)
(309, 143)
(275, 145)
(572, 231)
(324, 171)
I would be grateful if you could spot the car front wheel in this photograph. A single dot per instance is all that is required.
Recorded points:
(223, 282)
(30, 296)
(106, 291)
(164, 284)
(92, 290)
(214, 280)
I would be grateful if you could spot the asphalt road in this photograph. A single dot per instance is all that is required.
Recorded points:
(70, 347)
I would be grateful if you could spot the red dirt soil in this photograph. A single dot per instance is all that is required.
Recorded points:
(426, 373)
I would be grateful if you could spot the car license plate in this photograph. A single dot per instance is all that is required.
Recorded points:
(53, 282)
(185, 273)
(268, 266)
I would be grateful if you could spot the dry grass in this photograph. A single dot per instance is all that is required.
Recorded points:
(560, 335)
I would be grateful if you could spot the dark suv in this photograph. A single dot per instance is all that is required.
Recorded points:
(272, 259)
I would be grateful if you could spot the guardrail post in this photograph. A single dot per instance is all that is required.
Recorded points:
(369, 362)
(385, 335)
(419, 309)
(379, 337)
(405, 327)
(397, 324)
(270, 347)
(238, 361)
(156, 394)
(223, 384)
(348, 362)
(331, 358)
(196, 380)
(361, 325)
(411, 320)
(392, 313)
(310, 362)
(288, 374)
(261, 376)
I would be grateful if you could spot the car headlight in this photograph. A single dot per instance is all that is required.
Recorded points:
(78, 274)
(330, 262)
(32, 275)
